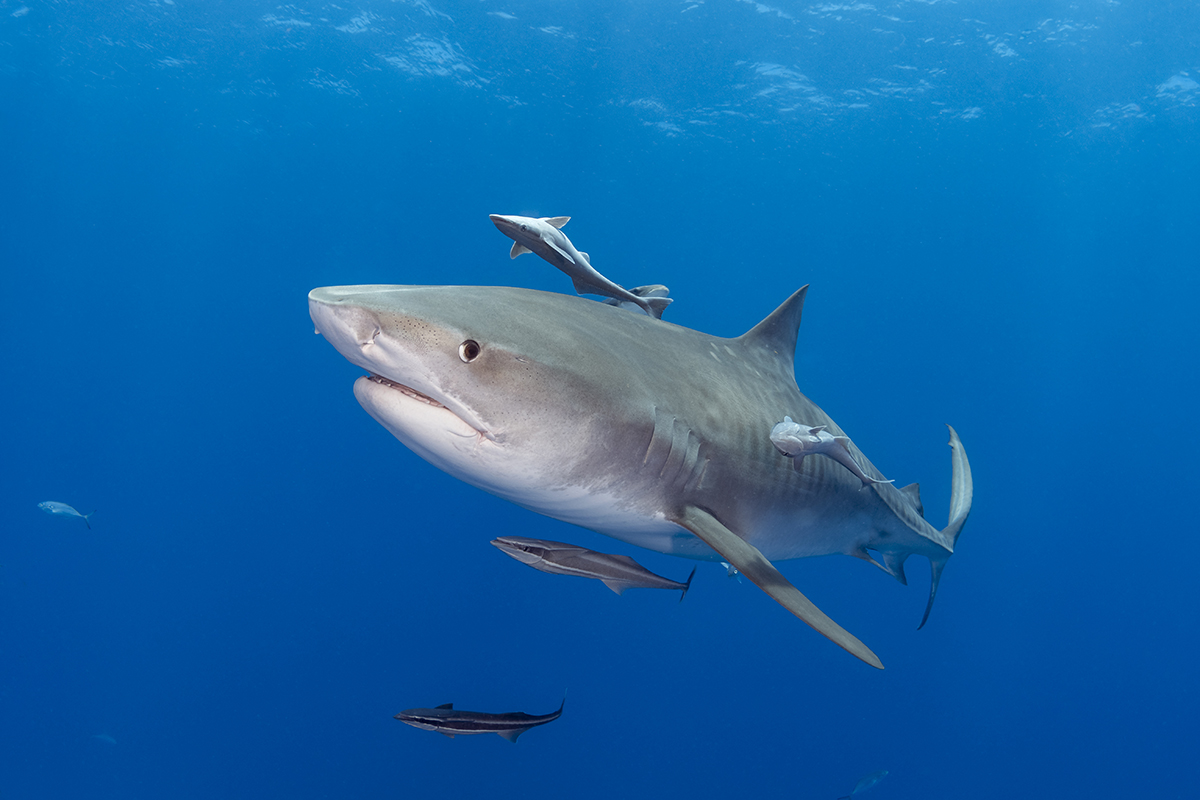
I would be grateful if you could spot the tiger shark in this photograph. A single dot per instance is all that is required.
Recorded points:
(640, 429)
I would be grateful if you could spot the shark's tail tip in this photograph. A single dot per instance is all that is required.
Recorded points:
(962, 492)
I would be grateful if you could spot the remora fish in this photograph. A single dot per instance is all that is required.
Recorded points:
(558, 558)
(445, 720)
(543, 237)
(797, 441)
(653, 290)
(648, 432)
(866, 782)
(63, 510)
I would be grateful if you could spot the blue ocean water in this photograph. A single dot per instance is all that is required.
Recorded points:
(996, 209)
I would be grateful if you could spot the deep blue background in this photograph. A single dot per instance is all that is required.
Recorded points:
(270, 576)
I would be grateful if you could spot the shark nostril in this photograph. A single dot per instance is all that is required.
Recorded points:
(371, 340)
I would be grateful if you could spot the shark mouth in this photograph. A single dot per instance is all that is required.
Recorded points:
(461, 413)
(406, 390)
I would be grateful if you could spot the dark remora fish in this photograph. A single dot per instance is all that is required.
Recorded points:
(558, 558)
(445, 720)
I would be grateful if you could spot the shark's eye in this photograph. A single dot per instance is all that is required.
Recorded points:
(469, 350)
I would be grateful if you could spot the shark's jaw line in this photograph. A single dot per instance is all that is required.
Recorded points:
(421, 397)
(408, 390)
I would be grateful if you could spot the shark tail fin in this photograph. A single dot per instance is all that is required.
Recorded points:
(657, 305)
(518, 249)
(687, 585)
(961, 493)
(85, 520)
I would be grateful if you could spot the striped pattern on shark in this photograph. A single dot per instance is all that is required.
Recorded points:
(646, 431)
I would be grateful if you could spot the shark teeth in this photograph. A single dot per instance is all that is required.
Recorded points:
(413, 393)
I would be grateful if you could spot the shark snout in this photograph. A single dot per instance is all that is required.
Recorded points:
(349, 327)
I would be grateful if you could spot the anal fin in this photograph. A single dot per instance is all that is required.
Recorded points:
(512, 735)
(755, 566)
(617, 586)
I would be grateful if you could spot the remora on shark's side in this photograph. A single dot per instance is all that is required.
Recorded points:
(559, 558)
(797, 441)
(543, 237)
(445, 720)
(646, 431)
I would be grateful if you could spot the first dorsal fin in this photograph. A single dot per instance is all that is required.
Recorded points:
(557, 222)
(447, 705)
(777, 332)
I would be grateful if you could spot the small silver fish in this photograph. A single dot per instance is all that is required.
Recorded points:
(866, 782)
(797, 440)
(63, 510)
(616, 572)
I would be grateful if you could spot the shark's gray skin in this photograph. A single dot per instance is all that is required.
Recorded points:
(543, 237)
(865, 782)
(445, 720)
(646, 431)
(796, 441)
(652, 290)
(558, 558)
(63, 510)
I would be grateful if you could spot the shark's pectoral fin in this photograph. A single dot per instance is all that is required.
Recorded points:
(518, 249)
(755, 566)
(557, 222)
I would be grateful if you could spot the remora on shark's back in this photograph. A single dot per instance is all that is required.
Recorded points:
(544, 238)
(559, 558)
(646, 431)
